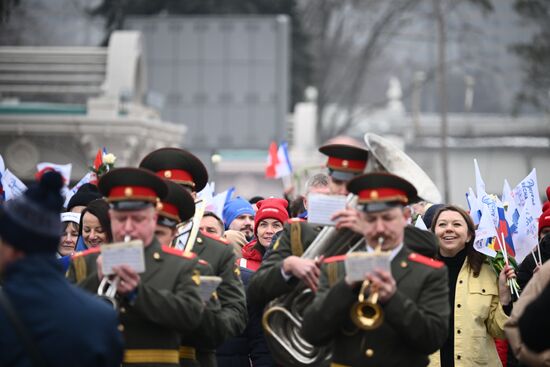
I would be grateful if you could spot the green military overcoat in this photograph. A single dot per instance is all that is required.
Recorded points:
(166, 304)
(416, 318)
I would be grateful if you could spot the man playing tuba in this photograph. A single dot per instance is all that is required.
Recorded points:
(283, 266)
(412, 298)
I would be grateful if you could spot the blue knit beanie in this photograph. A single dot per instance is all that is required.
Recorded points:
(235, 208)
(31, 222)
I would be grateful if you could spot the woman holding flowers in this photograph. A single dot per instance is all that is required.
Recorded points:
(480, 300)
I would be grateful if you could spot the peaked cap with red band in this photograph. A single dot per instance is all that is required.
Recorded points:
(178, 206)
(380, 191)
(177, 165)
(345, 161)
(132, 188)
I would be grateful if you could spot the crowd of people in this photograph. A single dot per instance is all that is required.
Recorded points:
(439, 303)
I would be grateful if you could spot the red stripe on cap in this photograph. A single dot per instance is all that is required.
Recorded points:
(382, 194)
(176, 175)
(346, 164)
(170, 211)
(118, 193)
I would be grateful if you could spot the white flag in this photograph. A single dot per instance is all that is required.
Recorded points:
(485, 231)
(420, 223)
(88, 177)
(475, 206)
(526, 237)
(490, 202)
(13, 187)
(528, 190)
(2, 166)
(219, 200)
(480, 184)
(207, 193)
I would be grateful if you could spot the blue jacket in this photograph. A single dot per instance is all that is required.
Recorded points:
(70, 327)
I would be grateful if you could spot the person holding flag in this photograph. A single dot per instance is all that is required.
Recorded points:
(480, 304)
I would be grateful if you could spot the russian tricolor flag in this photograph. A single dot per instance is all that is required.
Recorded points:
(278, 161)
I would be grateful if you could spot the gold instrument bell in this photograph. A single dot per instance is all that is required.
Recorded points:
(367, 315)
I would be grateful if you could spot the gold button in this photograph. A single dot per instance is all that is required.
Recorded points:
(121, 328)
(374, 194)
(156, 256)
(122, 310)
(369, 353)
(404, 264)
(199, 240)
(345, 163)
(128, 192)
(168, 174)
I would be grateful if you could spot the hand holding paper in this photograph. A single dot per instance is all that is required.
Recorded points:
(208, 285)
(360, 263)
(129, 254)
(321, 208)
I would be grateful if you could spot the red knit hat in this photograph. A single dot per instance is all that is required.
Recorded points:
(271, 208)
(544, 220)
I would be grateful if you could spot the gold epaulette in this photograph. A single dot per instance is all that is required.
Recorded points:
(296, 239)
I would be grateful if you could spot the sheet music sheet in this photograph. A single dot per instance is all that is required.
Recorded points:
(359, 263)
(123, 253)
(322, 207)
(208, 285)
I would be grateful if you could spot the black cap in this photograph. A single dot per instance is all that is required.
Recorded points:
(178, 206)
(132, 188)
(345, 161)
(86, 193)
(381, 191)
(177, 165)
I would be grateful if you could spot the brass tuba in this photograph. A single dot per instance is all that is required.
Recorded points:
(385, 156)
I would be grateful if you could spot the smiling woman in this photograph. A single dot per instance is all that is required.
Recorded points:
(95, 226)
(69, 235)
(270, 218)
(479, 301)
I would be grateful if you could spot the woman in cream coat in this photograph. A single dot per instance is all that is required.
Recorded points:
(476, 295)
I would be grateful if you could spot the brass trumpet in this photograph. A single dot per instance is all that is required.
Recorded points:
(107, 291)
(367, 315)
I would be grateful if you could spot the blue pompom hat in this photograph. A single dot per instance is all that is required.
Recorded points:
(235, 208)
(31, 222)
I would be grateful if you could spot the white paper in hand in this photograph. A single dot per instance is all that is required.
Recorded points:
(123, 253)
(208, 285)
(360, 263)
(320, 208)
